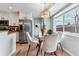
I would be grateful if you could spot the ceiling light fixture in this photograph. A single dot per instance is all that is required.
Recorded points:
(45, 13)
(10, 7)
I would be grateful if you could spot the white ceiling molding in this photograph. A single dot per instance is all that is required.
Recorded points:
(60, 10)
(57, 8)
(66, 9)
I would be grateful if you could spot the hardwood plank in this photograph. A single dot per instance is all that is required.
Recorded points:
(21, 50)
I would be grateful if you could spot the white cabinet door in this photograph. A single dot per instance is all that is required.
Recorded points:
(13, 19)
(16, 20)
(21, 16)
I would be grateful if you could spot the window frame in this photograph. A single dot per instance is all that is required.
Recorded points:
(63, 15)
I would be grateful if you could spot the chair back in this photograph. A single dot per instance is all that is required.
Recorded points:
(50, 43)
(60, 34)
(29, 38)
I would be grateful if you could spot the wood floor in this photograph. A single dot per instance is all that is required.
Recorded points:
(21, 50)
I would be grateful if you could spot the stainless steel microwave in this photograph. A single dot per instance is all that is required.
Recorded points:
(4, 22)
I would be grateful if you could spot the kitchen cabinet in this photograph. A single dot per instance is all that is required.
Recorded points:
(13, 18)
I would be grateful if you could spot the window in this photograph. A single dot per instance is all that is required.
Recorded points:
(76, 15)
(68, 22)
(59, 23)
(71, 20)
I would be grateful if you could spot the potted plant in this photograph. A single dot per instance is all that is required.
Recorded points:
(50, 31)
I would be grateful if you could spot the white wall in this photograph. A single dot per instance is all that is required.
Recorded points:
(70, 43)
(33, 28)
(36, 30)
(47, 23)
(23, 15)
(51, 23)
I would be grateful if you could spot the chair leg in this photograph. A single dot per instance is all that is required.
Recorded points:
(41, 52)
(55, 53)
(61, 47)
(44, 53)
(28, 49)
(36, 45)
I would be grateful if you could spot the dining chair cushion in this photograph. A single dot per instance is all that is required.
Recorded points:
(50, 43)
(30, 39)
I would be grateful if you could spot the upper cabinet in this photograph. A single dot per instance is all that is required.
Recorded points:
(12, 17)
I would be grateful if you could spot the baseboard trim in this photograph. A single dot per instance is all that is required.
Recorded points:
(12, 53)
(68, 52)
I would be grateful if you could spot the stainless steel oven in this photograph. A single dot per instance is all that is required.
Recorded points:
(4, 24)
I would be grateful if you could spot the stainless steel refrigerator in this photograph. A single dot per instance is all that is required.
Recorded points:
(25, 26)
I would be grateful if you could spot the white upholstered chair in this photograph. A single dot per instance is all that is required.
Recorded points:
(50, 44)
(31, 41)
(60, 34)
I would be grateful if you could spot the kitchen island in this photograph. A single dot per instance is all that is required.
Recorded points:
(7, 43)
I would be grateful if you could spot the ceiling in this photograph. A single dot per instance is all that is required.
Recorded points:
(34, 8)
(58, 7)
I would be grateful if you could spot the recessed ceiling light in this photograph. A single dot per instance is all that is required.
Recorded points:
(10, 7)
